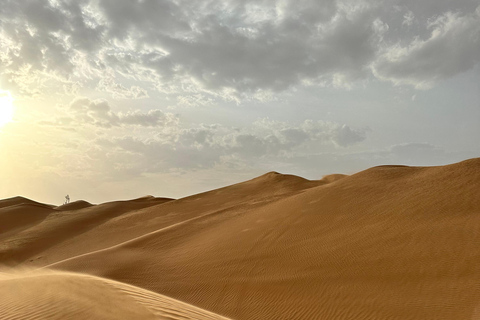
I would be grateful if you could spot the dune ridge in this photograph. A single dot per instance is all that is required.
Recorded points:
(390, 242)
(21, 201)
(75, 205)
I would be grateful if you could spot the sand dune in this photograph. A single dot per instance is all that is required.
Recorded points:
(333, 177)
(76, 205)
(59, 232)
(60, 295)
(20, 201)
(390, 242)
(20, 216)
(120, 221)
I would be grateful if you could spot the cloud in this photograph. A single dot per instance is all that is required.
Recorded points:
(207, 146)
(119, 91)
(408, 18)
(452, 47)
(345, 136)
(43, 40)
(232, 49)
(98, 113)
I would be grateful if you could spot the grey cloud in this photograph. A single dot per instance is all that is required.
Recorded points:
(345, 136)
(209, 145)
(242, 47)
(294, 136)
(428, 9)
(154, 155)
(40, 14)
(206, 41)
(44, 39)
(98, 113)
(284, 51)
(268, 137)
(251, 145)
(232, 45)
(452, 47)
(143, 17)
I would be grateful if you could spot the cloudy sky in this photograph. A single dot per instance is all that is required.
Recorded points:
(116, 99)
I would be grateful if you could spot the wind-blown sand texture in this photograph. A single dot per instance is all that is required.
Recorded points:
(74, 296)
(390, 242)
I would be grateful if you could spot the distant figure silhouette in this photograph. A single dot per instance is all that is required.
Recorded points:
(67, 199)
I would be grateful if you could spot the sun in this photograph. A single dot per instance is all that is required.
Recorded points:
(6, 108)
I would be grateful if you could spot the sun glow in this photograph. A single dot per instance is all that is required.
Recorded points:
(6, 108)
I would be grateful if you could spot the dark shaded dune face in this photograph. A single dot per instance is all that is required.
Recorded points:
(386, 243)
(14, 218)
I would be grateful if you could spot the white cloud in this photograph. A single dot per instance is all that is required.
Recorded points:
(119, 91)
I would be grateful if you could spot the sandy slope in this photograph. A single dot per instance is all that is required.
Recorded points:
(58, 232)
(104, 225)
(61, 295)
(391, 242)
(20, 216)
(20, 201)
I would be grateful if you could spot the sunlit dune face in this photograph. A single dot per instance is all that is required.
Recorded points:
(6, 108)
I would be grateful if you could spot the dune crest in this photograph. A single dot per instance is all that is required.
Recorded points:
(333, 177)
(152, 199)
(21, 201)
(75, 205)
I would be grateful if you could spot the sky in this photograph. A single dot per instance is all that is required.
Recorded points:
(117, 99)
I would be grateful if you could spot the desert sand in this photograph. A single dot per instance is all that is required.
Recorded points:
(390, 242)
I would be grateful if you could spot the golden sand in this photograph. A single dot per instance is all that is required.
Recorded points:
(390, 242)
